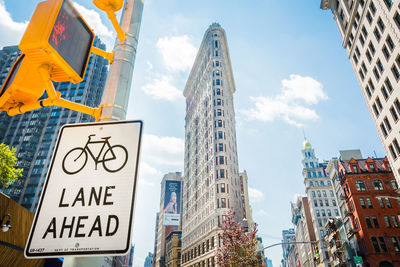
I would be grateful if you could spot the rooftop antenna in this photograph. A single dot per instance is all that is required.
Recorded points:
(304, 135)
(375, 154)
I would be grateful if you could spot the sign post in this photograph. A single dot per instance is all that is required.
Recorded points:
(87, 203)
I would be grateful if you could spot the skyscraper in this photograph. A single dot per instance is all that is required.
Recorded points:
(34, 133)
(170, 213)
(322, 201)
(244, 194)
(211, 176)
(370, 30)
(304, 231)
(289, 250)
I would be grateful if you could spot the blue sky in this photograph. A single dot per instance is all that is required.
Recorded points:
(291, 73)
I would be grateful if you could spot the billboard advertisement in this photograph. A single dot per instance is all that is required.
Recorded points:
(172, 203)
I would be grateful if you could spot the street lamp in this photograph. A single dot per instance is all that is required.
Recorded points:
(6, 226)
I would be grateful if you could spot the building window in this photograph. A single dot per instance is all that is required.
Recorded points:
(362, 203)
(376, 73)
(389, 85)
(387, 124)
(394, 184)
(381, 24)
(223, 203)
(376, 222)
(313, 193)
(388, 3)
(375, 110)
(317, 212)
(384, 92)
(377, 34)
(360, 186)
(395, 244)
(354, 167)
(387, 221)
(368, 54)
(323, 213)
(394, 114)
(333, 202)
(379, 103)
(395, 222)
(390, 42)
(369, 203)
(381, 203)
(336, 212)
(396, 145)
(222, 188)
(368, 221)
(394, 155)
(386, 52)
(371, 48)
(315, 203)
(382, 244)
(395, 72)
(375, 244)
(329, 213)
(319, 193)
(383, 129)
(388, 203)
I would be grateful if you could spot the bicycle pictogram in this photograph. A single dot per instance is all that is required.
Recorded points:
(114, 158)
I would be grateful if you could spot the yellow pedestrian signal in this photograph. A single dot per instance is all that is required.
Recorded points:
(59, 37)
(55, 47)
(16, 89)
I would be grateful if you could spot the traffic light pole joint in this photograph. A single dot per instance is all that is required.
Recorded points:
(54, 99)
(102, 53)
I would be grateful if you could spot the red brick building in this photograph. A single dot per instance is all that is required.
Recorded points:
(373, 211)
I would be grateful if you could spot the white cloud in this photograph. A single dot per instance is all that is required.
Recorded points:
(177, 52)
(10, 30)
(146, 169)
(262, 213)
(164, 150)
(148, 174)
(302, 88)
(162, 88)
(255, 195)
(92, 17)
(291, 104)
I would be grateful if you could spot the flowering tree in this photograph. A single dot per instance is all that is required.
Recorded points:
(239, 248)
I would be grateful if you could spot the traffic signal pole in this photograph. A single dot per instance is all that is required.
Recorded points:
(117, 89)
(119, 80)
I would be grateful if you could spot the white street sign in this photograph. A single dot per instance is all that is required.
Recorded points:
(87, 202)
